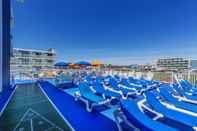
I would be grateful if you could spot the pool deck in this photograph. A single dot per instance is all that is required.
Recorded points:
(30, 110)
(40, 106)
(75, 113)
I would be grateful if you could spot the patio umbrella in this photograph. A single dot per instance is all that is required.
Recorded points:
(73, 66)
(96, 63)
(83, 63)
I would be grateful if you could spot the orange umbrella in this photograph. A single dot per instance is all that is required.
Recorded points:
(49, 74)
(96, 63)
(73, 66)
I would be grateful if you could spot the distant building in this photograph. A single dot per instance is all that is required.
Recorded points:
(135, 67)
(30, 62)
(173, 64)
(194, 64)
(142, 67)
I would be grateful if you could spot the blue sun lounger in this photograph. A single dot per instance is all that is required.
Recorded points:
(188, 87)
(89, 79)
(126, 91)
(126, 83)
(171, 100)
(91, 100)
(132, 80)
(100, 79)
(117, 77)
(182, 93)
(147, 82)
(132, 114)
(169, 113)
(99, 89)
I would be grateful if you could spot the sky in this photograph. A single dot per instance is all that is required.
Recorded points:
(111, 31)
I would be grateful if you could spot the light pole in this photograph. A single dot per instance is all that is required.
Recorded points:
(189, 70)
(5, 14)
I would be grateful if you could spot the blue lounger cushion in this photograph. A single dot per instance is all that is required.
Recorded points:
(106, 92)
(126, 83)
(116, 86)
(110, 93)
(126, 90)
(86, 92)
(140, 120)
(188, 87)
(98, 88)
(93, 97)
(171, 114)
(169, 98)
(182, 93)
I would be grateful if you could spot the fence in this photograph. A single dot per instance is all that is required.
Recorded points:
(162, 76)
(169, 76)
(192, 78)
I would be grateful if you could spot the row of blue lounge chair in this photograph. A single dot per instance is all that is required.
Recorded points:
(97, 91)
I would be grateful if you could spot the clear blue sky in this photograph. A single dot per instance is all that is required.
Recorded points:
(112, 31)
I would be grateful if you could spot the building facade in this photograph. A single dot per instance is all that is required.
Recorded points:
(173, 64)
(194, 64)
(30, 62)
(142, 68)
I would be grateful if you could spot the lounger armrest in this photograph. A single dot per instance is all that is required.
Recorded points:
(104, 102)
(77, 95)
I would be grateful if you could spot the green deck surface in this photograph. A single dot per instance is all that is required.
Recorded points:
(30, 110)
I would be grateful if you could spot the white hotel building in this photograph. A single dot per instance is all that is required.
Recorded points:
(31, 62)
